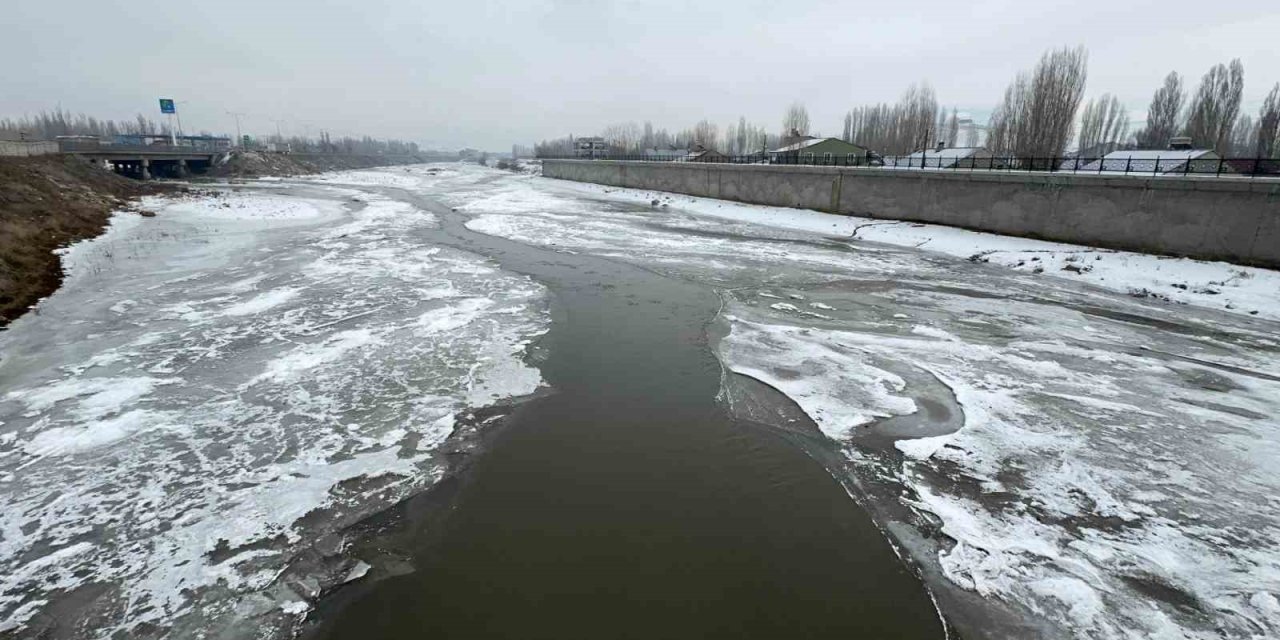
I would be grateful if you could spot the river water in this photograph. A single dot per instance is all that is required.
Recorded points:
(445, 401)
(629, 503)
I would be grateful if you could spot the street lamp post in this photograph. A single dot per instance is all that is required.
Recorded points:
(239, 136)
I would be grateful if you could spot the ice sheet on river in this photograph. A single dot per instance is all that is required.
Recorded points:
(216, 388)
(1114, 469)
(1068, 489)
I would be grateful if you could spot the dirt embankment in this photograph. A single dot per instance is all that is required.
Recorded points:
(253, 164)
(47, 203)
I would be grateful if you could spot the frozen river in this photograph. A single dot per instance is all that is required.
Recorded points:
(638, 414)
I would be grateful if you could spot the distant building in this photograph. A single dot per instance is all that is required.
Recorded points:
(1158, 161)
(810, 150)
(969, 133)
(948, 158)
(703, 154)
(590, 147)
(664, 154)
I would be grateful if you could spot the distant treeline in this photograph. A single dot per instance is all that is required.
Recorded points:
(1040, 115)
(48, 125)
(364, 145)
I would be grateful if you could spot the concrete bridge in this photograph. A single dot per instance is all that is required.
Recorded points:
(147, 156)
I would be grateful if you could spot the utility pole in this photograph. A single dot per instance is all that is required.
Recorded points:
(280, 146)
(177, 113)
(239, 136)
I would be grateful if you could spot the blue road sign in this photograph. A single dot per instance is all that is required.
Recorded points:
(166, 106)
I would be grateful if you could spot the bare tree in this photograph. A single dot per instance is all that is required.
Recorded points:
(1244, 137)
(47, 125)
(1268, 145)
(706, 134)
(796, 121)
(1163, 114)
(1037, 115)
(953, 128)
(624, 137)
(728, 140)
(1103, 126)
(918, 109)
(897, 129)
(1215, 106)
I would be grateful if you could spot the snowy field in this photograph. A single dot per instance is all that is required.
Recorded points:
(216, 389)
(1110, 469)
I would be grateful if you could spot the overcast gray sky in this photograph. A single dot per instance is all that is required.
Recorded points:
(488, 74)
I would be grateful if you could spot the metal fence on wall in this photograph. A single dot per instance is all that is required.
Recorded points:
(1132, 165)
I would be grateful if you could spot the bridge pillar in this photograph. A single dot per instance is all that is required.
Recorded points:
(144, 168)
(183, 170)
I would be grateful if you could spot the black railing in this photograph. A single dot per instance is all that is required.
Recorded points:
(1139, 164)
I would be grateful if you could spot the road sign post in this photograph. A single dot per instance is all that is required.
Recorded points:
(168, 107)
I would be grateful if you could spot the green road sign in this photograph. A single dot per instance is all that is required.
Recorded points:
(166, 106)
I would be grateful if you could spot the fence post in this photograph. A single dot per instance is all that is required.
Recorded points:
(1128, 163)
(1220, 161)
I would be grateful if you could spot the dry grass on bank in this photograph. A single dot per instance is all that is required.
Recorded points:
(47, 203)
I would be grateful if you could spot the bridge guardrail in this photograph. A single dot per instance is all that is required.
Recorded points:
(22, 149)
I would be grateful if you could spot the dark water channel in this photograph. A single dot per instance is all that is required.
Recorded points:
(629, 503)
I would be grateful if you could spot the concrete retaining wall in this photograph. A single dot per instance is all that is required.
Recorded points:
(1232, 219)
(23, 149)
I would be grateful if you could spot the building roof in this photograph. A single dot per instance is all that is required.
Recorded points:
(1148, 159)
(1158, 154)
(698, 153)
(809, 142)
(950, 153)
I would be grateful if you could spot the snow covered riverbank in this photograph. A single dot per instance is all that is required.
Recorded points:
(217, 389)
(1214, 285)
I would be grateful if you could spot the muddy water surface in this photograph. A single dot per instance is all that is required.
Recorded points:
(629, 503)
